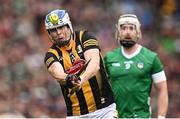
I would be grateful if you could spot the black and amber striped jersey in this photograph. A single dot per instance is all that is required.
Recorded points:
(96, 92)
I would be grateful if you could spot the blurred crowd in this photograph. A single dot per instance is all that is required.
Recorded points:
(27, 90)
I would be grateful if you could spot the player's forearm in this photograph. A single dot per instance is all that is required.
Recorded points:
(58, 75)
(93, 66)
(57, 72)
(162, 103)
(91, 70)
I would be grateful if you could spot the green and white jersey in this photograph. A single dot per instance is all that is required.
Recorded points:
(131, 77)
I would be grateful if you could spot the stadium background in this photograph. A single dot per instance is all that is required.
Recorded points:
(27, 90)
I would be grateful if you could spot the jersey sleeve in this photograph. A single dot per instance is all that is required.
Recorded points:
(49, 59)
(158, 73)
(157, 65)
(89, 41)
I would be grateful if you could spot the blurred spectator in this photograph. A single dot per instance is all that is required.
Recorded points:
(26, 90)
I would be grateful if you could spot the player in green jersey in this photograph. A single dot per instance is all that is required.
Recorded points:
(133, 69)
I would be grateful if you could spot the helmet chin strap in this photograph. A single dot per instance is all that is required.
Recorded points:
(63, 43)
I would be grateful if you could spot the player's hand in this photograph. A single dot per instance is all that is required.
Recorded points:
(72, 81)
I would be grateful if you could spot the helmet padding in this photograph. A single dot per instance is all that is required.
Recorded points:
(128, 19)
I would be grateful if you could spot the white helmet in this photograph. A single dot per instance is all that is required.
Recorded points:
(57, 18)
(128, 19)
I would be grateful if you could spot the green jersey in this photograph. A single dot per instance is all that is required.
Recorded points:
(131, 78)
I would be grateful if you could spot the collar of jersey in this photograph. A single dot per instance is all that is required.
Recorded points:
(132, 55)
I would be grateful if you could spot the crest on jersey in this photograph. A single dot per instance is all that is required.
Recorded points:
(140, 65)
(79, 49)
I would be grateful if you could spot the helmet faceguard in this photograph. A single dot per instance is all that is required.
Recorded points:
(128, 19)
(58, 18)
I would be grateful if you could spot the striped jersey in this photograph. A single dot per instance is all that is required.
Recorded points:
(96, 92)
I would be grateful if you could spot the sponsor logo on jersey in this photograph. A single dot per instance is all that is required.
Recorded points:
(102, 100)
(116, 64)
